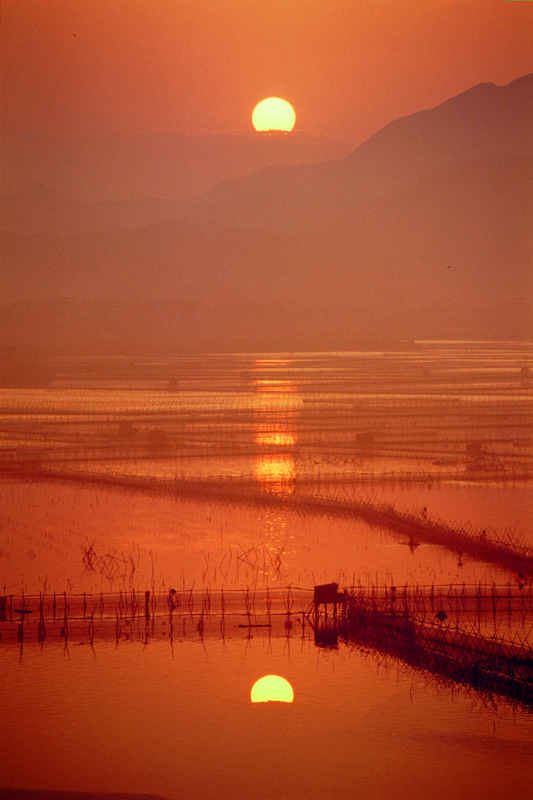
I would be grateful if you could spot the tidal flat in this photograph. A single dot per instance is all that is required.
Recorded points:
(227, 487)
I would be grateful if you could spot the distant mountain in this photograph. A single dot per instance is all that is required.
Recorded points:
(38, 210)
(431, 213)
(485, 120)
(109, 168)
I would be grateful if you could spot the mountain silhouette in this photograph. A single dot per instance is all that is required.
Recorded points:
(431, 213)
(485, 120)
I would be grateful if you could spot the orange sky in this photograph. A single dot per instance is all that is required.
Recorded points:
(193, 66)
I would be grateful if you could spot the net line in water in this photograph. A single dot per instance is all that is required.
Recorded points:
(390, 622)
(395, 621)
(483, 544)
(417, 599)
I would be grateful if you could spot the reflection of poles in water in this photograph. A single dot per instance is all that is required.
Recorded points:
(66, 612)
(147, 605)
(20, 631)
(460, 654)
(41, 631)
(486, 545)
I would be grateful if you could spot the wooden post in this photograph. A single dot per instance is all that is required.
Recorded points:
(147, 605)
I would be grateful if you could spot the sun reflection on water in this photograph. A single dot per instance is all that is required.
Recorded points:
(272, 688)
(276, 474)
(276, 438)
(276, 406)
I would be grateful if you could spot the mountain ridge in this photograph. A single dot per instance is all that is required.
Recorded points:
(378, 167)
(426, 212)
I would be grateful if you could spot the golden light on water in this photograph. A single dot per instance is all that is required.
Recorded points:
(272, 689)
(272, 363)
(276, 474)
(280, 393)
(275, 438)
(276, 404)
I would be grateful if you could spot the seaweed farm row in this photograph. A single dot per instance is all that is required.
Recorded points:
(504, 609)
(444, 413)
(460, 654)
(457, 645)
(471, 601)
(441, 440)
(210, 494)
(444, 631)
(484, 545)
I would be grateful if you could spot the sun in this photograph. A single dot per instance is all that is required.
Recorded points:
(273, 114)
(272, 688)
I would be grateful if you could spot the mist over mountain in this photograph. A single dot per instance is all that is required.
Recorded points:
(485, 120)
(124, 168)
(423, 231)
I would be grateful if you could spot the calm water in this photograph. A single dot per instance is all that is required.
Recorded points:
(146, 715)
(179, 722)
(47, 528)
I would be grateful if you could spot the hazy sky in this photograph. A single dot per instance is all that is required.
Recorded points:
(194, 66)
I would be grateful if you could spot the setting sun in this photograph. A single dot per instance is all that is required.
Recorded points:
(273, 114)
(272, 688)
(266, 388)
